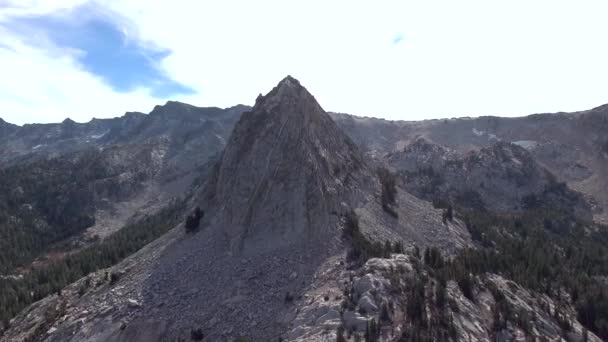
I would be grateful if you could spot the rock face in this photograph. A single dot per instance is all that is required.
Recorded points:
(502, 177)
(272, 205)
(278, 183)
(6, 128)
(384, 279)
(182, 127)
(271, 239)
(572, 146)
(389, 282)
(83, 181)
(287, 150)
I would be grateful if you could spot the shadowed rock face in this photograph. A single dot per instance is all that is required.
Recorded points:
(6, 128)
(571, 146)
(272, 227)
(268, 260)
(271, 220)
(286, 167)
(502, 177)
(181, 127)
(86, 180)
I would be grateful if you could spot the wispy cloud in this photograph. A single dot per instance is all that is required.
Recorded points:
(398, 38)
(104, 44)
(100, 58)
(6, 47)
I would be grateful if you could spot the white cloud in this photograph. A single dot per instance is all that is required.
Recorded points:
(457, 58)
(36, 87)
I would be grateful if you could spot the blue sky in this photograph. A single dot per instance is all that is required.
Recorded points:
(398, 38)
(103, 47)
(395, 59)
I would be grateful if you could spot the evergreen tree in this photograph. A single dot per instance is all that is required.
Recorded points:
(372, 334)
(340, 334)
(193, 220)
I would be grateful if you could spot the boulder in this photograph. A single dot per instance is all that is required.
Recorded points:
(368, 304)
(353, 320)
(364, 284)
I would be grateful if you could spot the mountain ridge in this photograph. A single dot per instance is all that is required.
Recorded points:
(308, 227)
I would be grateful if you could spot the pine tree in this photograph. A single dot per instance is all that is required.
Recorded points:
(193, 220)
(340, 334)
(385, 314)
(372, 333)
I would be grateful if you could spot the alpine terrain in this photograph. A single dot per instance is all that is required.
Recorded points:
(283, 222)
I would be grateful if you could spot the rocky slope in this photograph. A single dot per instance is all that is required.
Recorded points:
(321, 227)
(6, 128)
(572, 146)
(106, 172)
(180, 126)
(276, 197)
(502, 177)
(383, 291)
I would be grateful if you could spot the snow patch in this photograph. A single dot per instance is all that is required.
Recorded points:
(478, 133)
(220, 138)
(527, 144)
(98, 136)
(12, 277)
(491, 136)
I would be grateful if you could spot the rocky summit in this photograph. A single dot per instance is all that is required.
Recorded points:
(282, 222)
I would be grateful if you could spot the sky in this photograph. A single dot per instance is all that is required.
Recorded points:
(399, 60)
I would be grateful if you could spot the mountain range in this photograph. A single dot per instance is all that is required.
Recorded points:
(283, 222)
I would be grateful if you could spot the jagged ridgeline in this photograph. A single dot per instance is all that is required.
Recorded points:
(281, 222)
(285, 170)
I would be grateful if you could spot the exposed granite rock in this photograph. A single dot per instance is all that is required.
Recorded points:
(382, 280)
(269, 259)
(570, 145)
(85, 181)
(502, 177)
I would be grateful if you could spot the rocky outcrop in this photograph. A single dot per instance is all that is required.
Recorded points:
(569, 145)
(272, 219)
(502, 177)
(270, 240)
(6, 129)
(272, 258)
(387, 283)
(287, 150)
(83, 181)
(184, 128)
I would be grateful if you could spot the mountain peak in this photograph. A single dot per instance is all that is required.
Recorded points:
(288, 97)
(289, 81)
(171, 107)
(285, 150)
(6, 127)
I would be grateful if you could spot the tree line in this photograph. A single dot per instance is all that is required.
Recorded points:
(16, 294)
